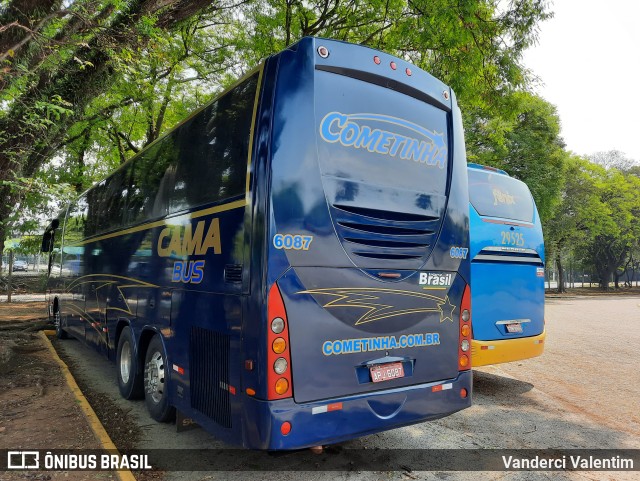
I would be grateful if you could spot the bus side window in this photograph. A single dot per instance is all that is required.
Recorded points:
(214, 149)
(113, 201)
(152, 175)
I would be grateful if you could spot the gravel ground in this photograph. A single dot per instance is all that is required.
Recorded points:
(578, 394)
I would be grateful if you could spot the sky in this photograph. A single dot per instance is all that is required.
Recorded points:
(588, 63)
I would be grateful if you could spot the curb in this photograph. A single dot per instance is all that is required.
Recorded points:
(94, 423)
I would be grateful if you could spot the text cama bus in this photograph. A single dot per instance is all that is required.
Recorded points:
(288, 267)
(507, 268)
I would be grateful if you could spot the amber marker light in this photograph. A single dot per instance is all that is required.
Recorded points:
(279, 345)
(251, 392)
(464, 360)
(282, 385)
(463, 393)
(466, 330)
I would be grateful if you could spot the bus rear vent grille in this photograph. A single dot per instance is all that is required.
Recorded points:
(233, 273)
(385, 235)
(209, 375)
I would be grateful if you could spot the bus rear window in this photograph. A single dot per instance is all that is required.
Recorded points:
(379, 136)
(497, 195)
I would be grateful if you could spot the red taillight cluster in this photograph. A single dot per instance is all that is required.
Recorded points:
(278, 354)
(464, 346)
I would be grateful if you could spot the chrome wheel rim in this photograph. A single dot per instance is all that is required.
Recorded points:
(154, 377)
(125, 362)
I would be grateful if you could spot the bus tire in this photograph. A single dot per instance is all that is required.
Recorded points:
(156, 377)
(57, 322)
(128, 370)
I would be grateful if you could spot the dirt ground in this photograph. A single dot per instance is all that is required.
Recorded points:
(37, 409)
(19, 312)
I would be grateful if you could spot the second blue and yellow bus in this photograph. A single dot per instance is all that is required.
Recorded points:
(507, 268)
(289, 266)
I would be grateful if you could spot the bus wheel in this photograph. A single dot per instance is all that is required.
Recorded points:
(156, 377)
(129, 374)
(57, 322)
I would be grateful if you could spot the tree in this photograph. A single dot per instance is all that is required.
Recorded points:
(577, 217)
(64, 58)
(613, 159)
(618, 231)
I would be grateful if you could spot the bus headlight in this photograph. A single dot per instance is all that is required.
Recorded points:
(280, 366)
(466, 315)
(464, 345)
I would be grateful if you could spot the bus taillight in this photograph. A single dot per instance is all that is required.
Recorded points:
(278, 352)
(464, 351)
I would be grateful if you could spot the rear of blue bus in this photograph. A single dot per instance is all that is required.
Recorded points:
(507, 268)
(366, 321)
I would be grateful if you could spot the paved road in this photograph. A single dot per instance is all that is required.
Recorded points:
(582, 393)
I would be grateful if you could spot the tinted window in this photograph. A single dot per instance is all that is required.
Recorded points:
(153, 179)
(203, 161)
(381, 137)
(213, 148)
(114, 200)
(497, 195)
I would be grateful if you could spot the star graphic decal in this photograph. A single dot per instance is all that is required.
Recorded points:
(446, 310)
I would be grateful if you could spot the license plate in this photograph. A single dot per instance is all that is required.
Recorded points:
(512, 328)
(386, 372)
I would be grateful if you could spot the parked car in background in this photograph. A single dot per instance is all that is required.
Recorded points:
(20, 266)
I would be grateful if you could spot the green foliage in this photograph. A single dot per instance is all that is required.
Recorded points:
(597, 218)
(524, 140)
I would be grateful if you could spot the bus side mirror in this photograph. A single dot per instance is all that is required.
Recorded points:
(47, 242)
(47, 237)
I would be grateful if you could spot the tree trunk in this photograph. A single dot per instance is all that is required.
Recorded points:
(605, 278)
(9, 280)
(561, 286)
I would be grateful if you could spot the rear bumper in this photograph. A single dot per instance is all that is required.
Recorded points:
(335, 420)
(484, 353)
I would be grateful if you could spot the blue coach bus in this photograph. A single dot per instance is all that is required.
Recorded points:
(507, 268)
(289, 266)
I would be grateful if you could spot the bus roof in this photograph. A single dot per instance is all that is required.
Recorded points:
(471, 165)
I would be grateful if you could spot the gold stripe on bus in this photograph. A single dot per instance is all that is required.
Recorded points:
(251, 131)
(192, 215)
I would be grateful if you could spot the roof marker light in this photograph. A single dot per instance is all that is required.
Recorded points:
(408, 71)
(393, 65)
(376, 60)
(323, 51)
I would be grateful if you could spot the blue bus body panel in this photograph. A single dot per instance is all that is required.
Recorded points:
(507, 269)
(366, 210)
(393, 201)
